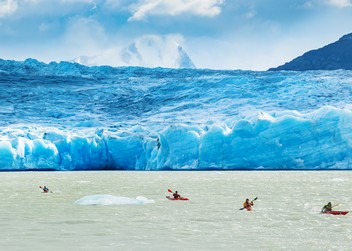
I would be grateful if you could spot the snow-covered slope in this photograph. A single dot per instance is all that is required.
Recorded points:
(65, 116)
(149, 54)
(147, 51)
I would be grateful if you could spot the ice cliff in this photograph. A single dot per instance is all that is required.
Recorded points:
(65, 116)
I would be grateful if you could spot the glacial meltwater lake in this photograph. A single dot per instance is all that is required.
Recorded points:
(132, 213)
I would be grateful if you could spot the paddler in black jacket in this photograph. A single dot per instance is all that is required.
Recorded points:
(327, 208)
(176, 195)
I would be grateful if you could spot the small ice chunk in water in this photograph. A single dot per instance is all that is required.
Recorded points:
(106, 199)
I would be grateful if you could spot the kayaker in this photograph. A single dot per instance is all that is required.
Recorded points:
(327, 208)
(248, 204)
(176, 195)
(45, 189)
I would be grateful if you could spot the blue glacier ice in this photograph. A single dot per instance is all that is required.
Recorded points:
(66, 116)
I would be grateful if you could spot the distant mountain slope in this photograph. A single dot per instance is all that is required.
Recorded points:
(337, 55)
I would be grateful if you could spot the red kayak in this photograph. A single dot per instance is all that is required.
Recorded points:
(249, 208)
(336, 212)
(181, 198)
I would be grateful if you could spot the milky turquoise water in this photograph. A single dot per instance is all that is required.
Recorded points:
(285, 216)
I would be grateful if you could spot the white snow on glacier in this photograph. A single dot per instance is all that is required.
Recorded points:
(65, 116)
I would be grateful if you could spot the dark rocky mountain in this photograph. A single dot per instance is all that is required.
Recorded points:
(337, 55)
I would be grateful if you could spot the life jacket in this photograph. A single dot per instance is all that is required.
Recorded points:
(249, 204)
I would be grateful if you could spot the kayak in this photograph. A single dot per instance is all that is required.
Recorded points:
(247, 208)
(336, 212)
(181, 198)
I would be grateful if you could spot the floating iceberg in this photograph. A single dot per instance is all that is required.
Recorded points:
(106, 200)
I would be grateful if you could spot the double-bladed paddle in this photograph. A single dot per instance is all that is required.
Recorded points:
(252, 201)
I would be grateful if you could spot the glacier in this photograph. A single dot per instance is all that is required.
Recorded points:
(66, 116)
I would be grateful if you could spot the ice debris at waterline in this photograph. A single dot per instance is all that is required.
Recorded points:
(282, 140)
(106, 200)
(65, 116)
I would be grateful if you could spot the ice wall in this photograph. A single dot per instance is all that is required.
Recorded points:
(278, 140)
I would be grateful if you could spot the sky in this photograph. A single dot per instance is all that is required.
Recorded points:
(216, 34)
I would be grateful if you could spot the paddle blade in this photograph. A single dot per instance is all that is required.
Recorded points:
(242, 208)
(169, 190)
(255, 198)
